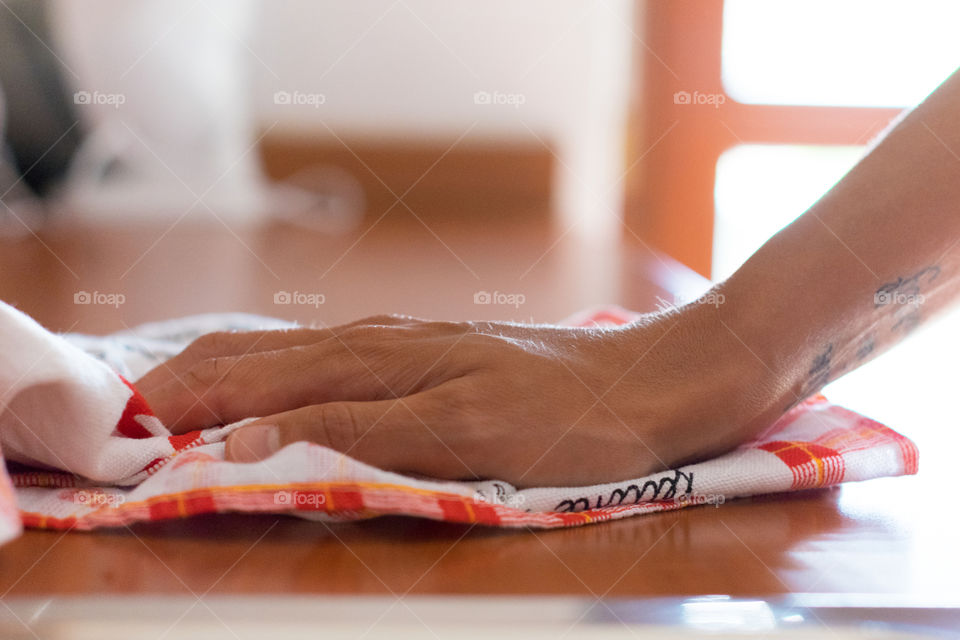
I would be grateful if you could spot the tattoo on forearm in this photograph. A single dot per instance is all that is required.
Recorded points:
(820, 370)
(817, 376)
(907, 320)
(901, 290)
(905, 296)
(865, 349)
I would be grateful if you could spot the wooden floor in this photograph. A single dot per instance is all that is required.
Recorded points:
(867, 538)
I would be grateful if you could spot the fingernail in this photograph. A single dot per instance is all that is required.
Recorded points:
(253, 443)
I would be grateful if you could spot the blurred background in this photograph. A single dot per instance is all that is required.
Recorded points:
(171, 99)
(321, 160)
(718, 121)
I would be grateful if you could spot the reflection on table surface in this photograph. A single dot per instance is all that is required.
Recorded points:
(798, 616)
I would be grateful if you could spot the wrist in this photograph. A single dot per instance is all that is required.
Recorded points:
(749, 375)
(710, 391)
(690, 382)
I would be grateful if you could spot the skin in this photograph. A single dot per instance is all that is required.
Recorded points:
(875, 258)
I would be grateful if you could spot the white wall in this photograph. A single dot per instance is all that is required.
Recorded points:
(406, 68)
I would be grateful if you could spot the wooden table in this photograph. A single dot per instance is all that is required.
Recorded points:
(884, 536)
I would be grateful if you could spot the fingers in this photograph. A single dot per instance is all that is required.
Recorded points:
(400, 435)
(364, 363)
(210, 392)
(222, 344)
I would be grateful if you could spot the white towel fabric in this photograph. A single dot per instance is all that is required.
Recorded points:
(96, 456)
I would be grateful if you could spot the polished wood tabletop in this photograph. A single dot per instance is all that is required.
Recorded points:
(885, 536)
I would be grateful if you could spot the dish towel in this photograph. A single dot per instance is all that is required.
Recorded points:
(82, 450)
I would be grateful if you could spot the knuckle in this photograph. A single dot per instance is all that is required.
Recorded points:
(338, 426)
(199, 376)
(388, 319)
(487, 349)
(208, 380)
(385, 328)
(197, 395)
(481, 340)
(211, 343)
(362, 332)
(446, 328)
(485, 328)
(376, 341)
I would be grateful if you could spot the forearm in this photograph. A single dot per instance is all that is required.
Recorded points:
(873, 259)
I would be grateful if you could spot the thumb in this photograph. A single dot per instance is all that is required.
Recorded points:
(398, 435)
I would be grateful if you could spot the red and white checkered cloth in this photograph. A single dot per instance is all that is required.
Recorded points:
(84, 451)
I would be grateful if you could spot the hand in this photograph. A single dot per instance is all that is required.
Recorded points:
(531, 405)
